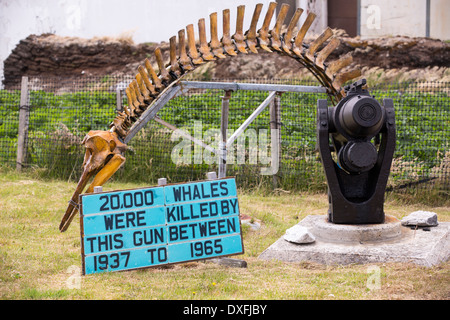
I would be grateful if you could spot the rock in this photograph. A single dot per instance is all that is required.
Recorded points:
(421, 219)
(299, 234)
(253, 225)
(50, 55)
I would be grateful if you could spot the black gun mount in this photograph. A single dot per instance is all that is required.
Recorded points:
(357, 164)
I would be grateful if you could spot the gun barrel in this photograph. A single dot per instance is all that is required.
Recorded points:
(361, 116)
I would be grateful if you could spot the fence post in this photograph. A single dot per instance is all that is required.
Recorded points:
(24, 111)
(223, 131)
(275, 137)
(224, 261)
(119, 107)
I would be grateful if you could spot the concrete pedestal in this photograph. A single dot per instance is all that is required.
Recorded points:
(338, 244)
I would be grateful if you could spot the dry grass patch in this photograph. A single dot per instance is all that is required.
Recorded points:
(39, 262)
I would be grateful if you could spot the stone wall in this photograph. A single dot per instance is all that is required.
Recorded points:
(51, 55)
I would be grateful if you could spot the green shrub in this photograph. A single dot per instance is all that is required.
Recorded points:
(58, 123)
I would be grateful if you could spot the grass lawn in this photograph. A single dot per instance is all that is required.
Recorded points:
(39, 262)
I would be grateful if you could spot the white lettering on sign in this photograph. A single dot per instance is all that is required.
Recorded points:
(140, 228)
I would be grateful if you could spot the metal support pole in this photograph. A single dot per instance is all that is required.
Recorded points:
(185, 134)
(24, 112)
(223, 133)
(252, 117)
(235, 86)
(178, 88)
(224, 261)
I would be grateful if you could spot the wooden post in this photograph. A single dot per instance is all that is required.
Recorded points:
(223, 131)
(275, 137)
(23, 125)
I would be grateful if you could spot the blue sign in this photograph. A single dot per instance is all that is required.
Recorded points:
(138, 228)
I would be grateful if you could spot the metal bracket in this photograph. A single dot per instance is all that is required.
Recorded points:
(74, 204)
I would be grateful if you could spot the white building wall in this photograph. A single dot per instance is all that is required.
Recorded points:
(391, 18)
(146, 20)
(156, 20)
(319, 7)
(381, 18)
(440, 19)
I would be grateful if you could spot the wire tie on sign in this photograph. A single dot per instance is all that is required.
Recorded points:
(24, 107)
(73, 203)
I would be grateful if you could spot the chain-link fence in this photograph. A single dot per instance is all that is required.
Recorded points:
(61, 111)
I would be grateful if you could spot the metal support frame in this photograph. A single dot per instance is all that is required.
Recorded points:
(181, 87)
(170, 92)
(252, 117)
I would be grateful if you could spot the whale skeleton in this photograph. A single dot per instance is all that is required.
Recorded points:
(105, 149)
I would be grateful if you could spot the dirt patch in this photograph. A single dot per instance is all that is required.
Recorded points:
(397, 52)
